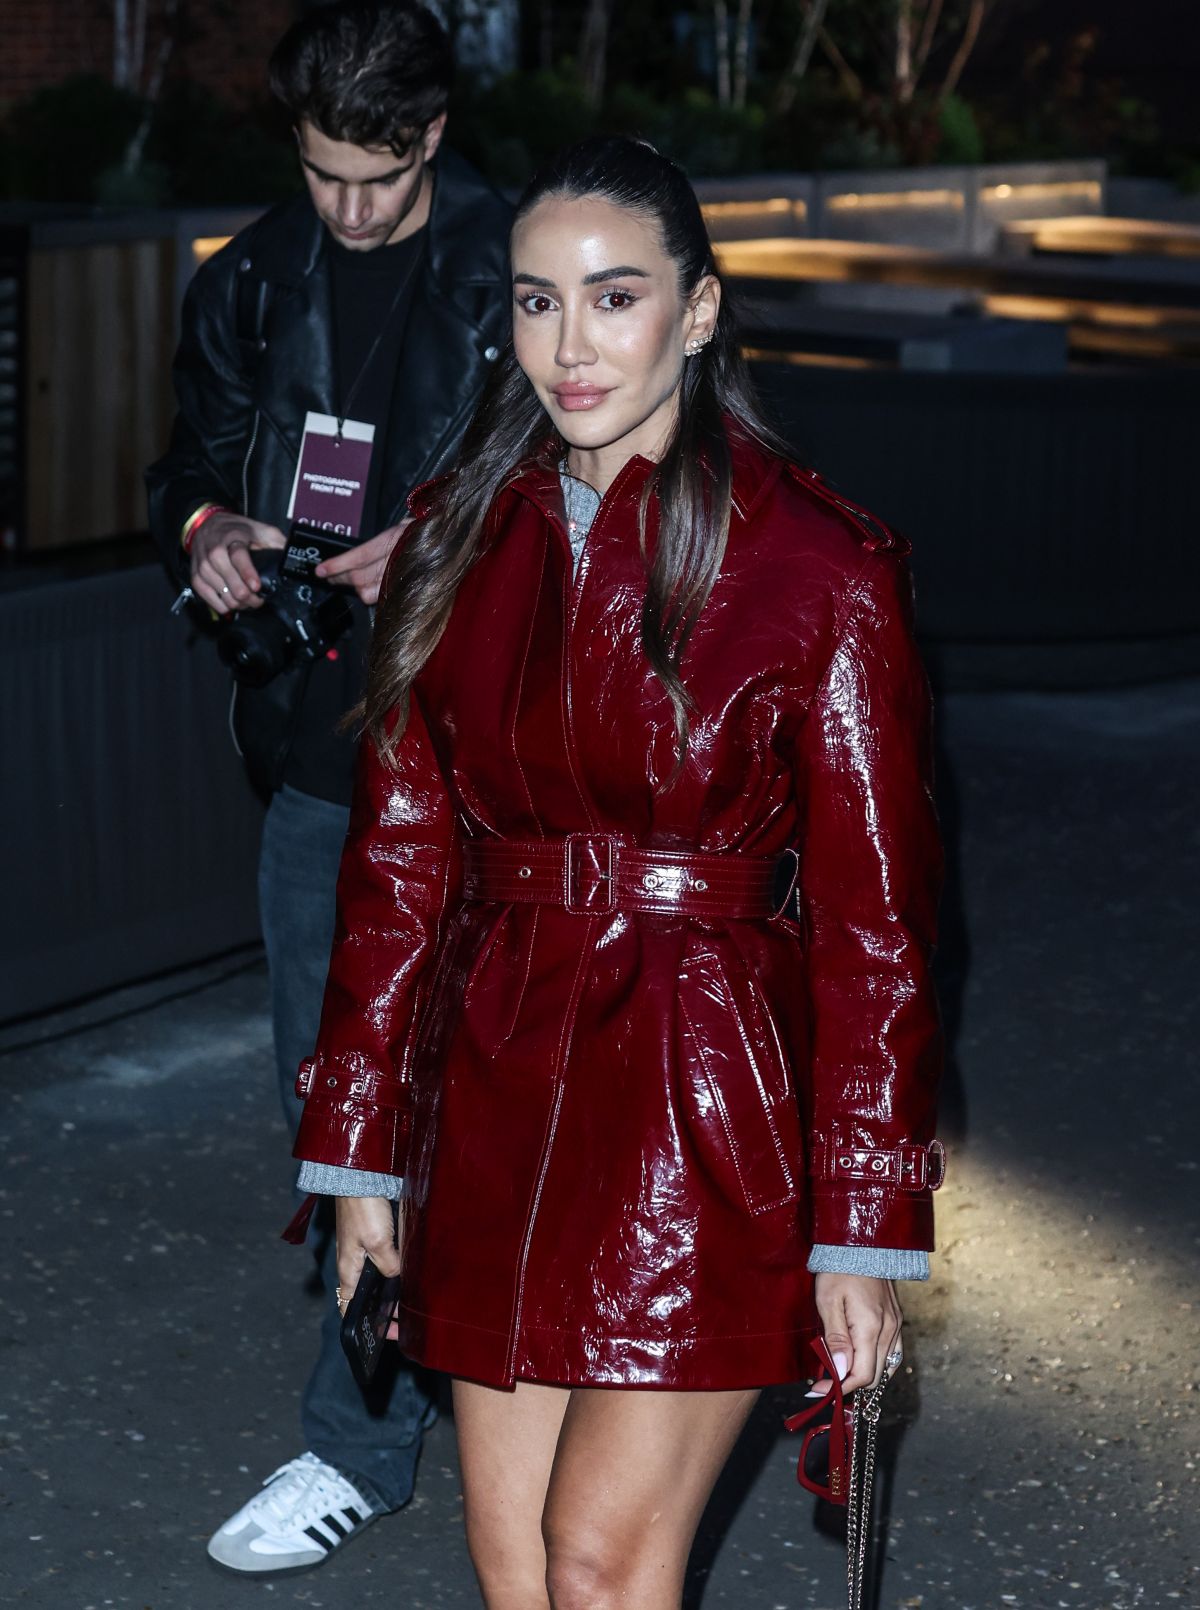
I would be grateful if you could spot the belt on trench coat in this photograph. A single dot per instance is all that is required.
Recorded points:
(595, 874)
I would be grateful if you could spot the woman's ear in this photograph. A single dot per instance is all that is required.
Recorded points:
(703, 306)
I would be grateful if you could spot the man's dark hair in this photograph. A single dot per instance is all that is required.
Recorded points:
(371, 72)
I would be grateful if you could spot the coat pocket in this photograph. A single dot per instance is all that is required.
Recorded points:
(737, 1086)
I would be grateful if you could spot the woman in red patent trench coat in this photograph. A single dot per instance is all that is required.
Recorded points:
(629, 1079)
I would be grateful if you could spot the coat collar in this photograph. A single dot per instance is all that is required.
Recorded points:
(755, 471)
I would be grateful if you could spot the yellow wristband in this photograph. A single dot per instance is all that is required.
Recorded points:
(197, 518)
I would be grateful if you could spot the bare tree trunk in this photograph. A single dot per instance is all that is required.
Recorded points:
(120, 67)
(721, 34)
(903, 75)
(806, 43)
(929, 27)
(593, 49)
(136, 148)
(137, 44)
(741, 52)
(962, 55)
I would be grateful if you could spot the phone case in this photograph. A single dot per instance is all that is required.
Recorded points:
(365, 1323)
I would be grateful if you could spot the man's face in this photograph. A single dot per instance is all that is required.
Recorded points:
(366, 196)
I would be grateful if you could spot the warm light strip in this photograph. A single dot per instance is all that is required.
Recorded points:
(204, 246)
(1033, 192)
(810, 360)
(1109, 235)
(896, 198)
(751, 209)
(1063, 309)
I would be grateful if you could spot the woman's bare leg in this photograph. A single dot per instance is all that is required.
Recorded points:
(587, 1499)
(633, 1472)
(506, 1444)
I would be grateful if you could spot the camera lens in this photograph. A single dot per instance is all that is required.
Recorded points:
(255, 649)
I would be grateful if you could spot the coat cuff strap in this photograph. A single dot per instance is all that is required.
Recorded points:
(908, 1167)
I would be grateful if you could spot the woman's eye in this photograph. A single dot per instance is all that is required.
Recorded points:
(617, 301)
(536, 302)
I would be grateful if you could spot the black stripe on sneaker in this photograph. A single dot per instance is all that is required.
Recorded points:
(335, 1525)
(353, 1515)
(319, 1537)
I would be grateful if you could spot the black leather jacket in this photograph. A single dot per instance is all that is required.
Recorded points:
(255, 356)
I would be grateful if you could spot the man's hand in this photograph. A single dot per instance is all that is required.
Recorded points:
(223, 574)
(862, 1321)
(362, 567)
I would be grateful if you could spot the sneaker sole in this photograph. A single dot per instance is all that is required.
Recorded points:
(271, 1572)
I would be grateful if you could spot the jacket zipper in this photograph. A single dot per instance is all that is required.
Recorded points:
(246, 465)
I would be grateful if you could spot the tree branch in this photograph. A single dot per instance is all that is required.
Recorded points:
(965, 46)
(741, 52)
(721, 37)
(850, 81)
(806, 43)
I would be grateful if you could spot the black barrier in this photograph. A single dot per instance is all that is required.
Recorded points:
(1051, 516)
(130, 835)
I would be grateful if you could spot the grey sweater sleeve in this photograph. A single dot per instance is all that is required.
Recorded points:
(326, 1180)
(881, 1263)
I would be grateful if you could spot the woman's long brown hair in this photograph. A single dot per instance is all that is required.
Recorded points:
(692, 482)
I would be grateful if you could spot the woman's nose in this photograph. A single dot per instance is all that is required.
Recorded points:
(574, 344)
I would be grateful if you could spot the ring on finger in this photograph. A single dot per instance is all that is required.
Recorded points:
(895, 1358)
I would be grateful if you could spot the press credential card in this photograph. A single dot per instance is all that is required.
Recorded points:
(331, 474)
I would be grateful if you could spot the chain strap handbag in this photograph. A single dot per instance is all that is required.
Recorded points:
(837, 1461)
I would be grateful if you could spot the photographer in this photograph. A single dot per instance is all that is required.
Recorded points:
(331, 356)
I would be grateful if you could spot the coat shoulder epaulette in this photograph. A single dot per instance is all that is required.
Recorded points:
(874, 535)
(423, 499)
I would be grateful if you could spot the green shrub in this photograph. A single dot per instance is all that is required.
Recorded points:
(64, 137)
(961, 138)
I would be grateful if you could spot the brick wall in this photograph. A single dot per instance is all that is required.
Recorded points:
(224, 47)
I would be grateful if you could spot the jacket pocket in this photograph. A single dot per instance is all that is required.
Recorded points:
(737, 1087)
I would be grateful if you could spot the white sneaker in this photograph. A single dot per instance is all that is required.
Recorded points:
(305, 1511)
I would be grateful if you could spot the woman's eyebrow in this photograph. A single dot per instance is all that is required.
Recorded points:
(597, 278)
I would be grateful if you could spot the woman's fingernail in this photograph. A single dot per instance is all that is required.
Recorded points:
(841, 1364)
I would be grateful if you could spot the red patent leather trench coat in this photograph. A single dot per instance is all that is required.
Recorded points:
(623, 1132)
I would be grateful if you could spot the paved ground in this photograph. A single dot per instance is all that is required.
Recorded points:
(156, 1331)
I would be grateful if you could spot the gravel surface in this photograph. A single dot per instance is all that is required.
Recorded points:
(1041, 1447)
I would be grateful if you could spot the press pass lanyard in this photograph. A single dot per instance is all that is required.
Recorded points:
(347, 402)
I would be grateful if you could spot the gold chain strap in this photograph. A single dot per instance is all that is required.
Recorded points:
(868, 1406)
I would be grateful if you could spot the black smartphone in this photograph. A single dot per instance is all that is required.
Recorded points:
(367, 1317)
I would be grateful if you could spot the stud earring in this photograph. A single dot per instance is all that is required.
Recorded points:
(693, 347)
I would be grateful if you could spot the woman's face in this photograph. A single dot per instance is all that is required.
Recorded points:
(599, 324)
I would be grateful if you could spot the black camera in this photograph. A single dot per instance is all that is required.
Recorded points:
(301, 616)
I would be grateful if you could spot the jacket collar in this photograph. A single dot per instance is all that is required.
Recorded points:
(290, 252)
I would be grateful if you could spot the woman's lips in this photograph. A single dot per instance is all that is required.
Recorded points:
(576, 398)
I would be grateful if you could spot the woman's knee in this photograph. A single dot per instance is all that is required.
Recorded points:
(588, 1572)
(508, 1561)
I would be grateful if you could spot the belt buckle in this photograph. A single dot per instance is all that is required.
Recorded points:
(597, 852)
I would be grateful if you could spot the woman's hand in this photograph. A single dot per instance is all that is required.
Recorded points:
(364, 1229)
(862, 1321)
